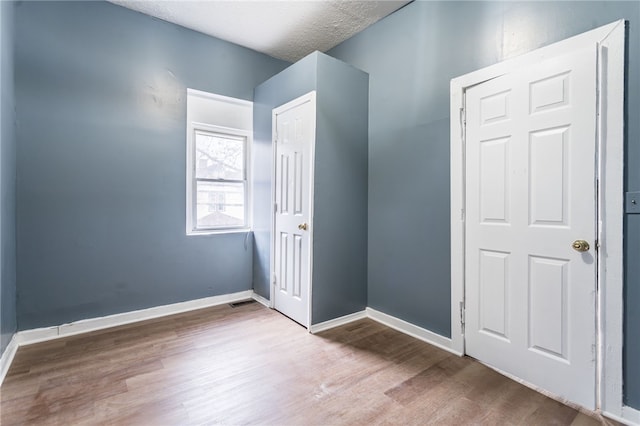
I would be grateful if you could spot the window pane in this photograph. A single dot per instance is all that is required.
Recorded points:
(219, 205)
(219, 156)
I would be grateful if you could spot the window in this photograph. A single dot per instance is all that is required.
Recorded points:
(217, 158)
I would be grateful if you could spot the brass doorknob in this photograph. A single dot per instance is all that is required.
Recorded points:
(580, 245)
(303, 226)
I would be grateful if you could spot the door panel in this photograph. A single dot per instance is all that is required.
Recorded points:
(494, 181)
(548, 305)
(295, 135)
(548, 168)
(530, 182)
(494, 291)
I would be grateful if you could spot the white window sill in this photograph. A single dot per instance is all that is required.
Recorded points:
(219, 231)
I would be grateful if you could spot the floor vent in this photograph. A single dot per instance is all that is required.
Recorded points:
(244, 302)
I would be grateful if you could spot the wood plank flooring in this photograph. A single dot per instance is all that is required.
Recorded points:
(251, 365)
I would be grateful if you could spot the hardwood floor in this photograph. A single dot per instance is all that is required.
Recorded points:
(251, 365)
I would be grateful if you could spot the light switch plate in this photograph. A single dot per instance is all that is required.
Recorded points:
(632, 203)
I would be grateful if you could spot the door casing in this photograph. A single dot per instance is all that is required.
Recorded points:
(308, 97)
(610, 42)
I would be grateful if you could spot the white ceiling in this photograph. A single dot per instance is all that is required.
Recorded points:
(284, 29)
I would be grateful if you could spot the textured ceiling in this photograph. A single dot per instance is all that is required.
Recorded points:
(284, 29)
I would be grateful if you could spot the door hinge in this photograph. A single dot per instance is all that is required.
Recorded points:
(462, 315)
(275, 207)
(274, 280)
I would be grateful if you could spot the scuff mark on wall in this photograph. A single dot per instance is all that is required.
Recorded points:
(163, 98)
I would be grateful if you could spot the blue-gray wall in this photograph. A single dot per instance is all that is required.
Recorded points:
(340, 191)
(7, 180)
(411, 56)
(340, 180)
(101, 107)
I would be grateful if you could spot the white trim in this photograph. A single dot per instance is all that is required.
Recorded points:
(38, 335)
(392, 322)
(336, 322)
(610, 38)
(629, 416)
(262, 300)
(7, 357)
(412, 330)
(246, 137)
(611, 255)
(308, 97)
(221, 130)
(219, 231)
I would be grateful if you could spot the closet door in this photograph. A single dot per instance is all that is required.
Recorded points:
(294, 139)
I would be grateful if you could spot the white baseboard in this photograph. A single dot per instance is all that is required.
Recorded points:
(412, 330)
(391, 322)
(7, 357)
(629, 415)
(326, 325)
(37, 335)
(255, 296)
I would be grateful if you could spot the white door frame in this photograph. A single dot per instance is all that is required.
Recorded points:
(308, 97)
(610, 42)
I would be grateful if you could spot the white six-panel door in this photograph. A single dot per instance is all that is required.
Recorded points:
(294, 138)
(530, 194)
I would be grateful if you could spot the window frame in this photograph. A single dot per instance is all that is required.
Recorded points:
(192, 179)
(225, 115)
